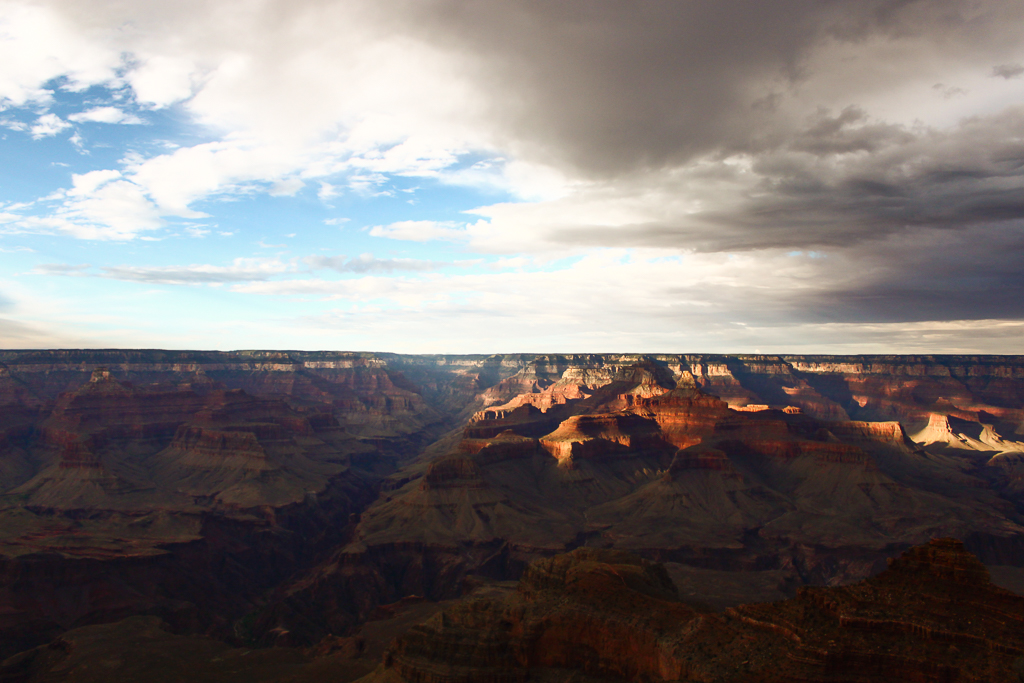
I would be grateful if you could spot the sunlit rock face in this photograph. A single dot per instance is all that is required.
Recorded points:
(291, 494)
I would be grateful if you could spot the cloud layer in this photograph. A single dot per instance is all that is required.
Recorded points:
(780, 165)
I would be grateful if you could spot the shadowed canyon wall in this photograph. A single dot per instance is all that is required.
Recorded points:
(283, 497)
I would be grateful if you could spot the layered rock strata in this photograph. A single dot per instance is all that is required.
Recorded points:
(189, 484)
(933, 615)
(629, 462)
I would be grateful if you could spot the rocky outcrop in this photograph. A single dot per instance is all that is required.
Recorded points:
(167, 501)
(370, 387)
(932, 616)
(673, 474)
(507, 445)
(599, 612)
(698, 458)
(525, 420)
(598, 436)
(684, 416)
(889, 433)
(404, 475)
(208, 448)
(944, 432)
(594, 614)
(454, 471)
(147, 649)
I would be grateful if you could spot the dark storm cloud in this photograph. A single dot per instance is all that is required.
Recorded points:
(915, 276)
(844, 179)
(1008, 71)
(848, 131)
(972, 274)
(608, 87)
(705, 100)
(814, 192)
(657, 97)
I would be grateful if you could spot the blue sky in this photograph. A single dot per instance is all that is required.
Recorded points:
(563, 177)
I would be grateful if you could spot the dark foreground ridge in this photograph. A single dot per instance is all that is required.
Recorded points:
(319, 504)
(606, 615)
(933, 615)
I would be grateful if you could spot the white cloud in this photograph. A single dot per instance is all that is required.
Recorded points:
(105, 115)
(368, 263)
(317, 91)
(608, 282)
(48, 125)
(173, 181)
(162, 80)
(86, 183)
(14, 124)
(39, 43)
(113, 211)
(78, 142)
(616, 300)
(326, 192)
(286, 188)
(60, 269)
(367, 183)
(617, 153)
(420, 231)
(241, 270)
(100, 205)
(612, 213)
(298, 93)
(118, 210)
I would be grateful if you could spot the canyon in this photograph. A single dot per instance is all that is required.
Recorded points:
(932, 615)
(317, 508)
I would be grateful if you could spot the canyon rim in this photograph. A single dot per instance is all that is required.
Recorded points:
(314, 507)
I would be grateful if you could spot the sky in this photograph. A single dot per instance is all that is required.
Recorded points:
(445, 176)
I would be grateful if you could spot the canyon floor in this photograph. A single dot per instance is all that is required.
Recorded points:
(292, 516)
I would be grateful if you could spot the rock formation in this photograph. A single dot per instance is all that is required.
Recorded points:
(933, 615)
(284, 497)
(626, 462)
